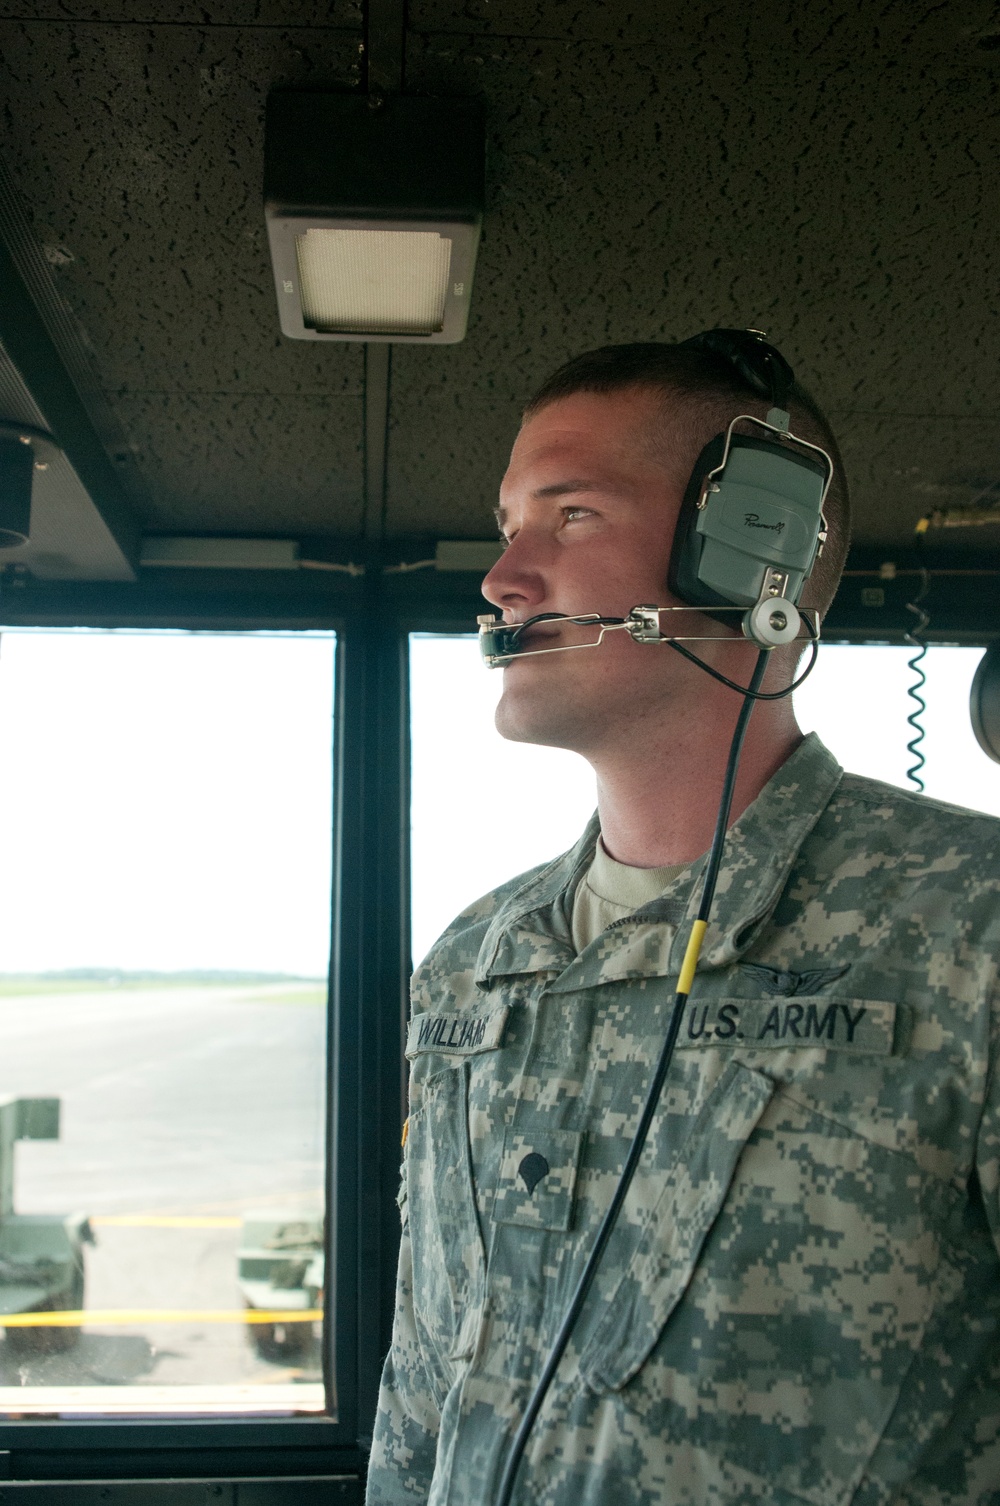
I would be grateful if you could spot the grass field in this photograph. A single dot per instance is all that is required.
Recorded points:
(277, 989)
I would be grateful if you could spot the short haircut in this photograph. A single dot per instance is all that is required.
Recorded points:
(702, 394)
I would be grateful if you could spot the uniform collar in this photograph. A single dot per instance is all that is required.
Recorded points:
(531, 932)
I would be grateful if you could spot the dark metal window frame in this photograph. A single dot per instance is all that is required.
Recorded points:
(372, 615)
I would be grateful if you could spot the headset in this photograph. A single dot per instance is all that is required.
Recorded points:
(750, 528)
(749, 532)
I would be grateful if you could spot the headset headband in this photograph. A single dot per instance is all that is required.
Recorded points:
(745, 351)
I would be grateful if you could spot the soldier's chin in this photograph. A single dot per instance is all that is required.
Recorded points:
(539, 718)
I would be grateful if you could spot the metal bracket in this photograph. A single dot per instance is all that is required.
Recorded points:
(644, 624)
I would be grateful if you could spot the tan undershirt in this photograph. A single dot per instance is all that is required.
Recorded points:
(608, 891)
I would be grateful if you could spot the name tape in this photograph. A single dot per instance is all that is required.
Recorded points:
(456, 1034)
(865, 1026)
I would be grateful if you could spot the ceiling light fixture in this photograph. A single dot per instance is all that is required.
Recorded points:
(373, 208)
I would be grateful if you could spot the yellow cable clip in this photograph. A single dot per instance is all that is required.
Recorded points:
(691, 955)
(406, 1132)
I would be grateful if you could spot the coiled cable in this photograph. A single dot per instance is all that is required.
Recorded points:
(915, 639)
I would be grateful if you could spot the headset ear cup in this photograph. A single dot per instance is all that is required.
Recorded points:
(685, 554)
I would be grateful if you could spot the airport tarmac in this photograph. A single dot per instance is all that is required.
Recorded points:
(183, 1108)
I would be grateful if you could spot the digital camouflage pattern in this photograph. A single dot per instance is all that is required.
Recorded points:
(801, 1302)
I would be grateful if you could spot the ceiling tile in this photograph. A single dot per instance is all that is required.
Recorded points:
(635, 193)
(724, 26)
(822, 172)
(245, 14)
(283, 466)
(139, 152)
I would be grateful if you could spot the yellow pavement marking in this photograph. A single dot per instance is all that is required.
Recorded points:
(165, 1221)
(261, 1201)
(112, 1317)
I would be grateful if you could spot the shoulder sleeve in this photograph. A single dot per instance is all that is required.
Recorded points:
(404, 1444)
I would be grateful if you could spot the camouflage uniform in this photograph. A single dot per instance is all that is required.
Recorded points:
(801, 1302)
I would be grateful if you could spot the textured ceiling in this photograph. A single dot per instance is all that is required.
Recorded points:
(824, 172)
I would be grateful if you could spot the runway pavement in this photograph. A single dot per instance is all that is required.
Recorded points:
(182, 1109)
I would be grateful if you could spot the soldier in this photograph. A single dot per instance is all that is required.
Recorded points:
(800, 1301)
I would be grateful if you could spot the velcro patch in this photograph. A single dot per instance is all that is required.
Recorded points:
(456, 1034)
(825, 1022)
(537, 1178)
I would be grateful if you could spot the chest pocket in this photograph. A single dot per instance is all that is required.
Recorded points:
(537, 1179)
(800, 1264)
(675, 1228)
(448, 1256)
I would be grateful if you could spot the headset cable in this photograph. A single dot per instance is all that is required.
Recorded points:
(684, 984)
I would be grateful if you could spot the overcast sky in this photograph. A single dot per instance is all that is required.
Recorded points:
(165, 801)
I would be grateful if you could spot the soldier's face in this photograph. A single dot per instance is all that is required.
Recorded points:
(588, 508)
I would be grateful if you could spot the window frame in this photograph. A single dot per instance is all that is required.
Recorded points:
(319, 1447)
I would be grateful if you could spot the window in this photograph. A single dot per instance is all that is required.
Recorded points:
(858, 703)
(165, 891)
(484, 810)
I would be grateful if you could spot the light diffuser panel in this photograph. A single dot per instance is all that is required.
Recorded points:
(384, 282)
